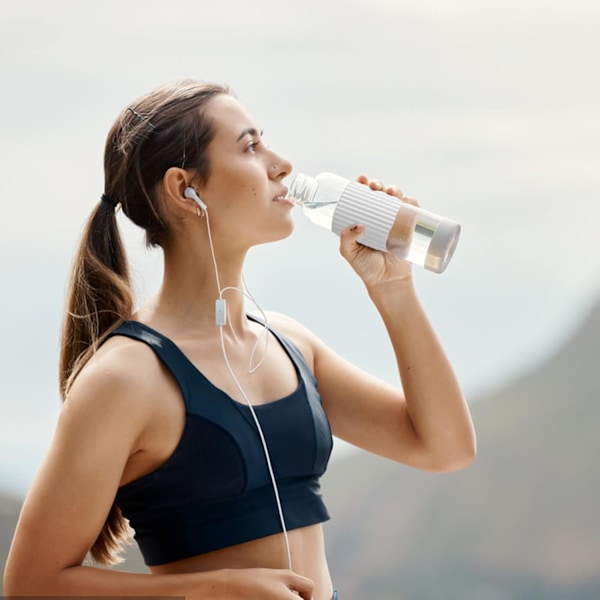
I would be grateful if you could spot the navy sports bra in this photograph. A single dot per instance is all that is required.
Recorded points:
(215, 491)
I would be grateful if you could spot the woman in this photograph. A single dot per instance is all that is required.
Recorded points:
(158, 422)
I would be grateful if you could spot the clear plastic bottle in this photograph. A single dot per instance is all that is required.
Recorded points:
(391, 225)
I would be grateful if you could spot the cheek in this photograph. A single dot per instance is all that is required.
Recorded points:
(238, 185)
(245, 189)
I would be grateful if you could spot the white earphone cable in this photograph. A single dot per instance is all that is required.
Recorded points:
(265, 449)
(221, 323)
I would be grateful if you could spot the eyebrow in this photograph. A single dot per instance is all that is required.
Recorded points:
(250, 131)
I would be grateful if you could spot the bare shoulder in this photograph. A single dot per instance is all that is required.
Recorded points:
(99, 429)
(123, 379)
(286, 324)
(306, 341)
(121, 365)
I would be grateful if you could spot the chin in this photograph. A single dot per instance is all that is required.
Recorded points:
(280, 233)
(290, 229)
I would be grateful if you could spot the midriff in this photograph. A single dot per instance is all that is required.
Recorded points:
(307, 550)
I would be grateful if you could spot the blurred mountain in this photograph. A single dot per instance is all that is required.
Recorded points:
(9, 513)
(521, 523)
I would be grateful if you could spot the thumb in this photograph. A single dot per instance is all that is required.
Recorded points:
(349, 238)
(302, 586)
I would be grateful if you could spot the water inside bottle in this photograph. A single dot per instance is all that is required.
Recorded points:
(423, 239)
(314, 205)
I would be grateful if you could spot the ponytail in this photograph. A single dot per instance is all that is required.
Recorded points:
(166, 127)
(99, 298)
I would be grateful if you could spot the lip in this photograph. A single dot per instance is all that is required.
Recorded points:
(282, 196)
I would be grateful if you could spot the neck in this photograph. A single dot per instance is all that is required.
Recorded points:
(187, 296)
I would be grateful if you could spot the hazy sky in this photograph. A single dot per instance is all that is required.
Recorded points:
(487, 112)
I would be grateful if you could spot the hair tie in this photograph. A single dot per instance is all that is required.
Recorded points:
(107, 200)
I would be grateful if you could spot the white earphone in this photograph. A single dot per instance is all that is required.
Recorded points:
(190, 193)
(221, 320)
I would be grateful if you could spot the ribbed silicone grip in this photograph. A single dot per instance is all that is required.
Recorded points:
(357, 205)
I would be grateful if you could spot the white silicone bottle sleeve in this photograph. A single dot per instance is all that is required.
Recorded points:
(375, 210)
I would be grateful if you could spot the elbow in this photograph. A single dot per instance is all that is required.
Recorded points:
(458, 462)
(454, 459)
(462, 460)
(458, 452)
(22, 586)
(10, 584)
(14, 585)
(21, 580)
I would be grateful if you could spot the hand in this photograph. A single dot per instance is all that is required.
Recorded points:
(268, 584)
(372, 266)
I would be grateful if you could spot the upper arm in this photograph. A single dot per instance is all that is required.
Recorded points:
(362, 409)
(67, 505)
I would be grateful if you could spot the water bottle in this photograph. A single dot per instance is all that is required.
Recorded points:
(414, 234)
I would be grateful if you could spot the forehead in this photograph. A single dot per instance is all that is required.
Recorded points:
(229, 116)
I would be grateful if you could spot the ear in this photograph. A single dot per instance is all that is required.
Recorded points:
(175, 181)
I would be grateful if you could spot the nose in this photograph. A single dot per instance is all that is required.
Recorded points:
(281, 167)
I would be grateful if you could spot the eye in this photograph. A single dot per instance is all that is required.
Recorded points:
(251, 147)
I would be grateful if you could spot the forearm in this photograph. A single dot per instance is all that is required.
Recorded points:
(92, 581)
(434, 400)
(222, 584)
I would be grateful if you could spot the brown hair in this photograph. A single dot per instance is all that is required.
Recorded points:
(165, 128)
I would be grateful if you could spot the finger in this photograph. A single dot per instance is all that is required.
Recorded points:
(376, 185)
(410, 201)
(392, 190)
(349, 244)
(352, 232)
(302, 586)
(349, 235)
(363, 179)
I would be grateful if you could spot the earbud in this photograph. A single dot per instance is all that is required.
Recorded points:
(190, 193)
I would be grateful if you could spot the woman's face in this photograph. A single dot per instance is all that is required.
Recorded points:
(244, 192)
